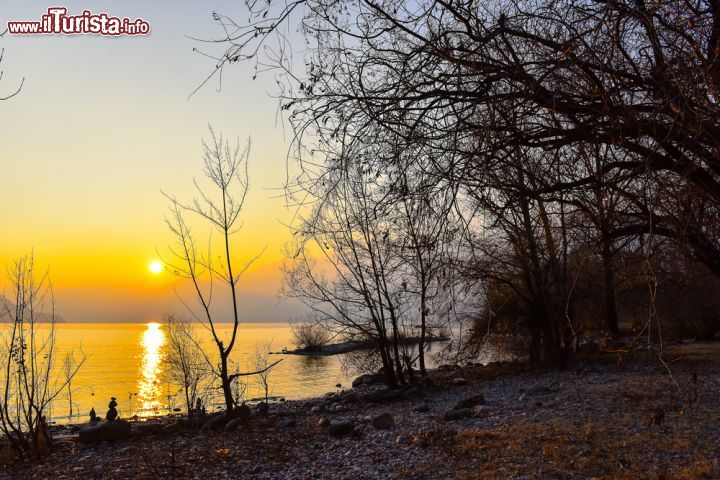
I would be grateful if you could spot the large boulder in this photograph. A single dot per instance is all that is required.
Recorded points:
(107, 431)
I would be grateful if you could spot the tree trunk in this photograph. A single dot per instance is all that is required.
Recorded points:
(421, 345)
(611, 314)
(226, 386)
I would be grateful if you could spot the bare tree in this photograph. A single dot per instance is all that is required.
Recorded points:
(69, 367)
(562, 131)
(355, 284)
(187, 364)
(261, 363)
(225, 166)
(29, 385)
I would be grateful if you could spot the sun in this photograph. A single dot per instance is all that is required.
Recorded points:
(155, 267)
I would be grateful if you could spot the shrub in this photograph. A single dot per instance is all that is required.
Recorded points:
(310, 336)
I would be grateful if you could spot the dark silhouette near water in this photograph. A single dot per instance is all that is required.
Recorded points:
(112, 412)
(93, 416)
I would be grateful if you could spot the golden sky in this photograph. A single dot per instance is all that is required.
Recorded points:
(101, 126)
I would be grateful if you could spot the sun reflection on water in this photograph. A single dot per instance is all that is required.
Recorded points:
(149, 389)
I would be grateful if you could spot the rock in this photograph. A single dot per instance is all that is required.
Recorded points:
(341, 427)
(105, 431)
(481, 411)
(97, 470)
(316, 409)
(470, 402)
(382, 396)
(233, 424)
(338, 385)
(413, 392)
(243, 413)
(263, 408)
(323, 422)
(265, 423)
(422, 408)
(457, 414)
(459, 381)
(349, 397)
(149, 428)
(215, 424)
(383, 421)
(336, 407)
(369, 379)
(285, 423)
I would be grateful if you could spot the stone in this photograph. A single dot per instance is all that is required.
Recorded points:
(316, 409)
(383, 421)
(368, 379)
(382, 396)
(323, 422)
(233, 424)
(97, 470)
(457, 414)
(481, 411)
(149, 428)
(470, 402)
(243, 413)
(215, 424)
(340, 427)
(285, 423)
(105, 431)
(349, 397)
(459, 381)
(263, 408)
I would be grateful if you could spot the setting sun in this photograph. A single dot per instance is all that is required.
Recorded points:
(155, 267)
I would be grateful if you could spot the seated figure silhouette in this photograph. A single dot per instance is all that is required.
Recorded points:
(112, 412)
(93, 415)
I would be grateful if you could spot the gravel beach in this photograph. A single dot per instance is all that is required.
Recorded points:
(597, 419)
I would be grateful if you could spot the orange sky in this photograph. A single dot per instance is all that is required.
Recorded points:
(100, 127)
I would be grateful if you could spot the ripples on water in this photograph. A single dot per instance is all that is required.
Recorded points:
(126, 361)
(149, 391)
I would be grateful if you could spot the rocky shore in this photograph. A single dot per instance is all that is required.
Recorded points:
(598, 419)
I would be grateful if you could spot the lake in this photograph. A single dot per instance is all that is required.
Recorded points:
(127, 361)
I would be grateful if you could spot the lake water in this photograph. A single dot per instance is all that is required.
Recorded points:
(127, 361)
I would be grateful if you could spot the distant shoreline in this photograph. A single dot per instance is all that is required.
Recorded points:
(347, 347)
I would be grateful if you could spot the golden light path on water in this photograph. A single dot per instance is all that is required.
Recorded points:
(149, 389)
